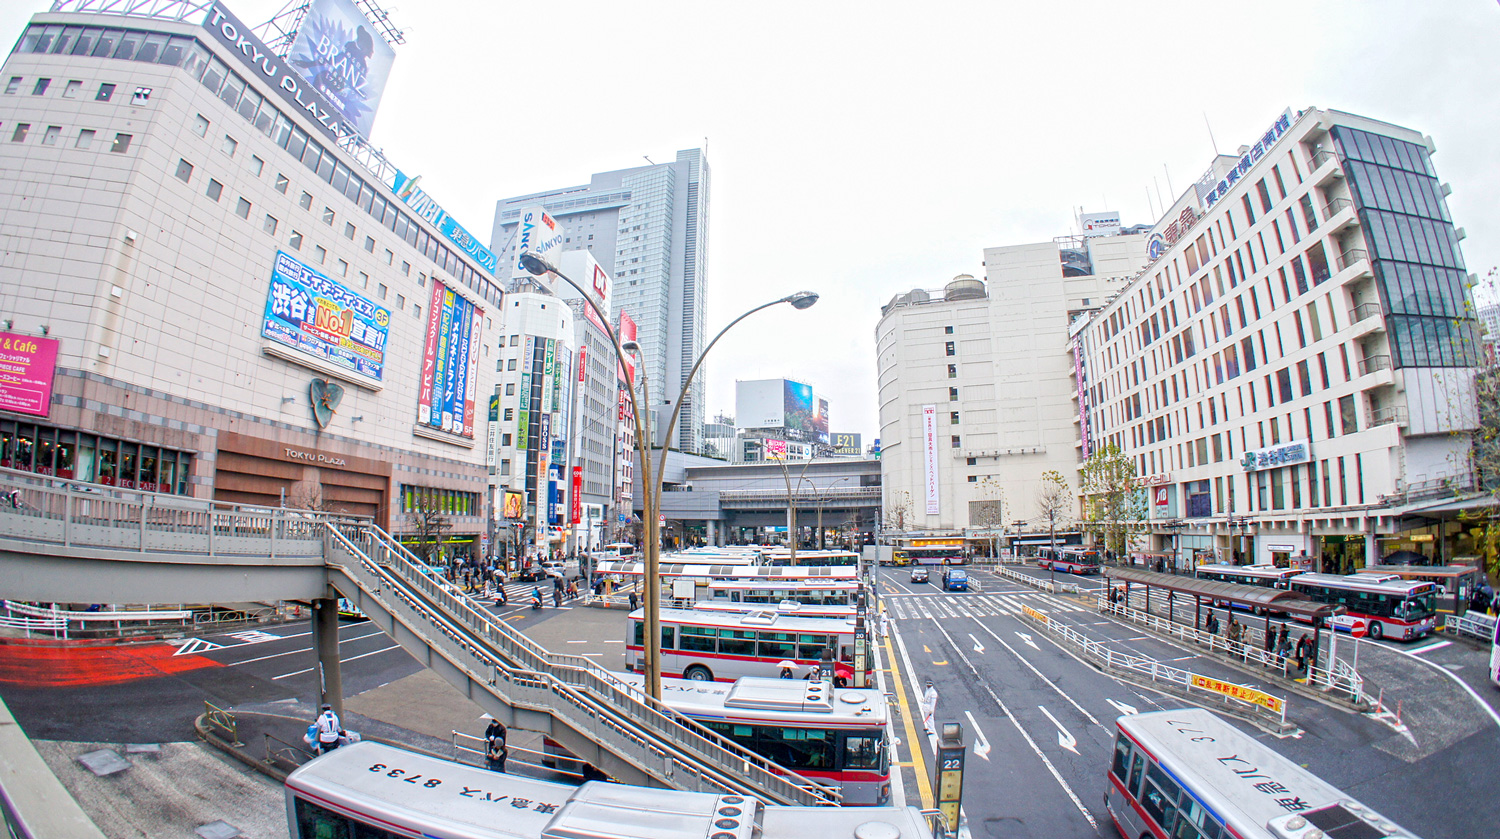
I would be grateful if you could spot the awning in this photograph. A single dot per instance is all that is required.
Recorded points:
(1275, 599)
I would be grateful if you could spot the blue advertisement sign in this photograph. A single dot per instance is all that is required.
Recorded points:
(340, 54)
(318, 317)
(422, 204)
(454, 332)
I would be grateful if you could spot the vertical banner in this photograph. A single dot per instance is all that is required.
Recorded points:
(429, 356)
(462, 328)
(450, 355)
(471, 398)
(929, 454)
(577, 505)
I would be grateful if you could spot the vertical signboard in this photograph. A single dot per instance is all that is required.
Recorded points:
(577, 505)
(27, 366)
(537, 232)
(627, 333)
(449, 363)
(820, 422)
(929, 457)
(339, 53)
(1083, 406)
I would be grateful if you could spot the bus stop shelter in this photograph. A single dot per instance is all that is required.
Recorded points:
(1258, 600)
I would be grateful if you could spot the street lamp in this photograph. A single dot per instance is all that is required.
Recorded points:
(651, 489)
(822, 498)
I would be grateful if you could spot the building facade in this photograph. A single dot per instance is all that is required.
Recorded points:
(1293, 372)
(977, 386)
(237, 309)
(648, 228)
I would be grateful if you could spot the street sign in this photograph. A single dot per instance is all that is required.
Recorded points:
(1360, 629)
(950, 773)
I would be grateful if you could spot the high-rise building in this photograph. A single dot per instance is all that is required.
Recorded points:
(648, 228)
(1293, 371)
(976, 384)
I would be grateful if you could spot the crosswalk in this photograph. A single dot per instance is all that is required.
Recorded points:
(977, 605)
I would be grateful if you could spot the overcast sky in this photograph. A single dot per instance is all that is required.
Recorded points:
(863, 149)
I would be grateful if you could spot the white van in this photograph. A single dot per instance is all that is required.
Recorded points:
(615, 551)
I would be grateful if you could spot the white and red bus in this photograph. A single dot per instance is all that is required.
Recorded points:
(1187, 774)
(813, 559)
(828, 592)
(1265, 576)
(1071, 560)
(709, 645)
(1386, 606)
(789, 608)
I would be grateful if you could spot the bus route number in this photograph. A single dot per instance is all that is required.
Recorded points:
(951, 763)
(400, 774)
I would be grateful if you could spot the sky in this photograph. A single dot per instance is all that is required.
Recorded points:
(860, 150)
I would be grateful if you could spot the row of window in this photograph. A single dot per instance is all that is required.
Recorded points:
(90, 458)
(443, 501)
(52, 134)
(1331, 482)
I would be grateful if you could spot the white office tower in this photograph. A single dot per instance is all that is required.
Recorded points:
(648, 228)
(1293, 371)
(976, 383)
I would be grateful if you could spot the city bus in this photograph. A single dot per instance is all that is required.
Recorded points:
(929, 555)
(1073, 560)
(1390, 606)
(1265, 576)
(790, 608)
(706, 645)
(806, 592)
(813, 559)
(1456, 583)
(372, 790)
(717, 556)
(1187, 774)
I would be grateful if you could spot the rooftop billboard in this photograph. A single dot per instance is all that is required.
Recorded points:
(338, 52)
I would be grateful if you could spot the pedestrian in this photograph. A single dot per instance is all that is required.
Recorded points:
(557, 596)
(1233, 635)
(500, 598)
(1301, 651)
(495, 751)
(884, 624)
(1270, 644)
(929, 707)
(786, 673)
(633, 601)
(329, 730)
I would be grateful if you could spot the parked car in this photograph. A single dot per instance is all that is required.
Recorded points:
(955, 579)
(919, 574)
(562, 569)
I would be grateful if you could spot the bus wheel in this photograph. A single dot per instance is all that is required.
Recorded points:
(1376, 630)
(698, 673)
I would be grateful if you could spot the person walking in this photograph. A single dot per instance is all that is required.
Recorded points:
(928, 706)
(495, 751)
(1270, 644)
(329, 730)
(1301, 651)
(1233, 635)
(884, 624)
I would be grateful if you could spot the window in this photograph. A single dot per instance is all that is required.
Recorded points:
(305, 202)
(13, 85)
(343, 268)
(405, 268)
(953, 418)
(1348, 419)
(214, 190)
(510, 365)
(348, 231)
(295, 242)
(184, 170)
(105, 92)
(71, 91)
(364, 281)
(416, 310)
(510, 388)
(379, 289)
(328, 216)
(40, 87)
(320, 253)
(370, 245)
(955, 441)
(242, 209)
(949, 349)
(19, 135)
(953, 371)
(200, 125)
(947, 330)
(121, 144)
(256, 164)
(142, 94)
(515, 340)
(952, 394)
(230, 145)
(510, 414)
(270, 224)
(49, 137)
(390, 258)
(401, 301)
(85, 139)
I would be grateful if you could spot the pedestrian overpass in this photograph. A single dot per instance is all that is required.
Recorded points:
(59, 542)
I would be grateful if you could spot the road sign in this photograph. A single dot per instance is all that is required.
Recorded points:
(1360, 629)
(950, 773)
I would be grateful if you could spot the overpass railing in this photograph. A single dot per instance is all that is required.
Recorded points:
(575, 690)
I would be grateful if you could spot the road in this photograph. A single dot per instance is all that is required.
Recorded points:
(1047, 718)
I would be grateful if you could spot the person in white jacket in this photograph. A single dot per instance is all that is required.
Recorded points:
(329, 730)
(929, 707)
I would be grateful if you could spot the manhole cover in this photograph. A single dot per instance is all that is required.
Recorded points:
(218, 830)
(104, 762)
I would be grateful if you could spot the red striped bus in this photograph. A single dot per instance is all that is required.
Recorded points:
(708, 645)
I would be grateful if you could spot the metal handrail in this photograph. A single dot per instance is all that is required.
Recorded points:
(506, 649)
(1351, 256)
(1372, 363)
(1036, 582)
(1474, 624)
(1362, 311)
(1391, 414)
(223, 720)
(1320, 158)
(1336, 206)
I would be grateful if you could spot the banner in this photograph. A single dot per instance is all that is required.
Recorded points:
(515, 504)
(449, 374)
(322, 319)
(1251, 696)
(626, 333)
(340, 54)
(27, 366)
(405, 187)
(537, 232)
(929, 451)
(577, 505)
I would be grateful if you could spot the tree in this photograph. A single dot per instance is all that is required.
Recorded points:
(1114, 508)
(429, 522)
(897, 511)
(988, 512)
(1052, 502)
(1482, 524)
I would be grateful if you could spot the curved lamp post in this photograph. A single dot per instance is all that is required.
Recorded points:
(651, 498)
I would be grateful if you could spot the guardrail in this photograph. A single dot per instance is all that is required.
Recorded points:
(1238, 698)
(1474, 624)
(1044, 585)
(581, 694)
(223, 720)
(475, 754)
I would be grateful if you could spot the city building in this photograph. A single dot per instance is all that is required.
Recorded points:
(1293, 371)
(204, 292)
(977, 386)
(648, 228)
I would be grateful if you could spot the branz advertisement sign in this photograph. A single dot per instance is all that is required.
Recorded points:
(26, 368)
(322, 319)
(340, 54)
(261, 61)
(450, 357)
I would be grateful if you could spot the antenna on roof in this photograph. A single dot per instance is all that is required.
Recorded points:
(1211, 139)
(648, 159)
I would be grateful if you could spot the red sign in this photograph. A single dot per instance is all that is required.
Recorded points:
(577, 506)
(583, 360)
(26, 368)
(627, 332)
(1360, 629)
(1161, 496)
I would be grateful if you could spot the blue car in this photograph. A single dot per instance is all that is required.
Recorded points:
(955, 579)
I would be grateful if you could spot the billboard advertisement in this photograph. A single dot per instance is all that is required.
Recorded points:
(445, 393)
(340, 54)
(539, 233)
(258, 60)
(820, 422)
(774, 449)
(515, 505)
(586, 271)
(759, 404)
(26, 368)
(847, 444)
(422, 204)
(800, 410)
(1100, 224)
(930, 457)
(577, 495)
(322, 319)
(627, 333)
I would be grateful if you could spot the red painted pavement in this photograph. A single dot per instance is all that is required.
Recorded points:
(26, 665)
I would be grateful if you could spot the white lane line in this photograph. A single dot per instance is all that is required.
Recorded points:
(341, 661)
(1429, 647)
(1039, 675)
(577, 642)
(1461, 683)
(1057, 776)
(299, 650)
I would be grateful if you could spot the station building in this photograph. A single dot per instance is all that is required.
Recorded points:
(218, 289)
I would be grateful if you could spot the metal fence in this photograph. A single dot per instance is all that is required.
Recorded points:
(1471, 624)
(1037, 582)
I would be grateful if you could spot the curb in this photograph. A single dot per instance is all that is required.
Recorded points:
(209, 736)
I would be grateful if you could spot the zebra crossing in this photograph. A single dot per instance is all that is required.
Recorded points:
(977, 605)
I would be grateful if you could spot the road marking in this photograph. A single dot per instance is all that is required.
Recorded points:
(981, 744)
(577, 642)
(1057, 776)
(1461, 683)
(1421, 650)
(197, 645)
(1122, 707)
(978, 647)
(940, 663)
(924, 785)
(1064, 739)
(1027, 639)
(1039, 675)
(342, 661)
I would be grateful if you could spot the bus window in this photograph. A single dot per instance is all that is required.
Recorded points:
(699, 639)
(777, 645)
(861, 751)
(639, 634)
(812, 646)
(1160, 798)
(736, 641)
(1136, 768)
(1194, 822)
(666, 638)
(1122, 757)
(810, 748)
